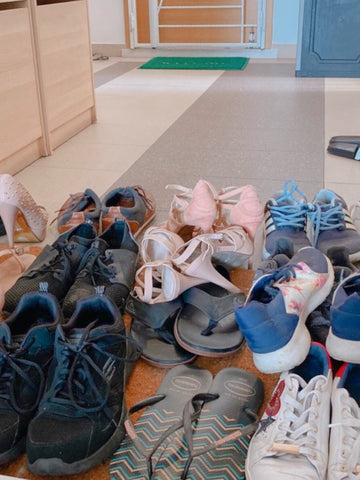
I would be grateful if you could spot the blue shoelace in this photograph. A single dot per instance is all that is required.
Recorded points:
(14, 367)
(323, 218)
(293, 213)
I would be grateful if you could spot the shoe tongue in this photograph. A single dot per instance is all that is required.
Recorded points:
(101, 245)
(5, 333)
(75, 336)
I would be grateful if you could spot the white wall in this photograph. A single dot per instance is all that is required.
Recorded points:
(286, 17)
(107, 21)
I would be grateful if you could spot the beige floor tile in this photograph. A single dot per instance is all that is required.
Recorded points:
(78, 156)
(342, 106)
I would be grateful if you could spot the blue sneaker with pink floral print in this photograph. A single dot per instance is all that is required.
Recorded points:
(273, 317)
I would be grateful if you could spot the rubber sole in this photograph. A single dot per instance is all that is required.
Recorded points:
(342, 349)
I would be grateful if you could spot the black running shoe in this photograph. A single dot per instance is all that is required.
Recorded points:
(80, 420)
(26, 349)
(110, 262)
(56, 265)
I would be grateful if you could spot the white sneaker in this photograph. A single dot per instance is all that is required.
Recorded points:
(344, 452)
(291, 441)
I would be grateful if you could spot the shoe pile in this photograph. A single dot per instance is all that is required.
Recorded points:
(183, 301)
(64, 353)
(306, 288)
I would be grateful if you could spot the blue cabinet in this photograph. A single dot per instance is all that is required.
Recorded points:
(329, 38)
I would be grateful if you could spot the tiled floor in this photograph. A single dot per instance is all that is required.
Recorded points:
(136, 107)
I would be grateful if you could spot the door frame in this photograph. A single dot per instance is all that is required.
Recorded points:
(131, 34)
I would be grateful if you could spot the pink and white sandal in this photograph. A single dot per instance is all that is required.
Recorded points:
(192, 209)
(240, 206)
(159, 244)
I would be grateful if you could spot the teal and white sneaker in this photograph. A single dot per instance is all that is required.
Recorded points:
(285, 222)
(331, 224)
(291, 441)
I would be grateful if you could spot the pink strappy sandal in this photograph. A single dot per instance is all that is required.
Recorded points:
(192, 210)
(240, 206)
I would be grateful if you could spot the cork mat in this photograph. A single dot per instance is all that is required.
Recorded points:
(144, 382)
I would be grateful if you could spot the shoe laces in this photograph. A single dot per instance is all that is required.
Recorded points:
(283, 274)
(93, 265)
(147, 200)
(348, 460)
(297, 431)
(56, 263)
(324, 217)
(292, 213)
(14, 368)
(79, 382)
(75, 199)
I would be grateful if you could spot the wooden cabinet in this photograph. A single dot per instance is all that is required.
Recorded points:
(21, 132)
(46, 78)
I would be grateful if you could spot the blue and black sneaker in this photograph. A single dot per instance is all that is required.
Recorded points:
(26, 349)
(285, 222)
(80, 420)
(331, 225)
(56, 265)
(109, 262)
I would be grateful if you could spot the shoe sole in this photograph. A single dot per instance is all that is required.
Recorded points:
(203, 352)
(296, 350)
(56, 466)
(342, 349)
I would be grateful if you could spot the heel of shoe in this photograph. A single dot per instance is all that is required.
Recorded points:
(8, 215)
(175, 283)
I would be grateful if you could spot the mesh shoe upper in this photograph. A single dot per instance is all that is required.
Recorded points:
(26, 348)
(82, 410)
(56, 265)
(331, 224)
(111, 263)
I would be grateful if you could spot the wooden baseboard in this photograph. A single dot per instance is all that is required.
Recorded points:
(72, 127)
(22, 158)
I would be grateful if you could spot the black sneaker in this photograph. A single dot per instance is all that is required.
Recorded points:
(80, 420)
(56, 265)
(26, 349)
(110, 262)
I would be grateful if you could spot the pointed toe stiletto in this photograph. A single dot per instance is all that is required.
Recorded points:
(23, 219)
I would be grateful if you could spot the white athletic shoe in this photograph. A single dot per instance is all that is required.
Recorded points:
(344, 452)
(291, 441)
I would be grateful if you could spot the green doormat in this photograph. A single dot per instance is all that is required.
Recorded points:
(197, 63)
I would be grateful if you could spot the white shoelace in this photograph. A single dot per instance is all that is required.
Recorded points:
(297, 433)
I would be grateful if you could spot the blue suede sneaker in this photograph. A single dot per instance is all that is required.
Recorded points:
(343, 341)
(285, 221)
(331, 224)
(26, 349)
(273, 317)
(132, 204)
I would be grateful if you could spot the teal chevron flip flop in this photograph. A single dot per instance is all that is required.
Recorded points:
(144, 443)
(215, 446)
